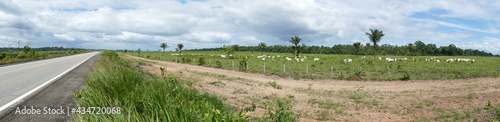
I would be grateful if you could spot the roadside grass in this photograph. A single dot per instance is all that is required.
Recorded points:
(16, 57)
(146, 97)
(332, 66)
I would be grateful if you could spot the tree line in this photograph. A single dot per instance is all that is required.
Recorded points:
(418, 48)
(7, 49)
(367, 49)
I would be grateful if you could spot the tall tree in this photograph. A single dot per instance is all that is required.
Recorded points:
(179, 47)
(164, 45)
(230, 49)
(296, 47)
(357, 45)
(236, 47)
(262, 46)
(375, 35)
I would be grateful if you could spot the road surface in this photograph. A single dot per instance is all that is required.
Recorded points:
(21, 81)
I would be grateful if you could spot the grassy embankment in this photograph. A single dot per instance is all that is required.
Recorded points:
(360, 69)
(145, 97)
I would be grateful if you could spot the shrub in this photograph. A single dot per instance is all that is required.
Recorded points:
(218, 64)
(371, 62)
(405, 77)
(201, 61)
(356, 76)
(280, 111)
(243, 64)
(186, 60)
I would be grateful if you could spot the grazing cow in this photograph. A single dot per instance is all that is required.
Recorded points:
(223, 56)
(316, 59)
(347, 61)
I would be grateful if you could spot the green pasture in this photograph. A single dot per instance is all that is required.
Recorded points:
(333, 67)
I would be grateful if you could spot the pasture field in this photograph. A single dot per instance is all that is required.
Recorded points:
(329, 66)
(474, 99)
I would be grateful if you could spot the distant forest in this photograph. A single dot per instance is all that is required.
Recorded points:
(418, 48)
(15, 49)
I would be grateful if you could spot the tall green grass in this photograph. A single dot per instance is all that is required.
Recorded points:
(146, 97)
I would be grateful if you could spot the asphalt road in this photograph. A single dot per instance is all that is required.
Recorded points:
(21, 81)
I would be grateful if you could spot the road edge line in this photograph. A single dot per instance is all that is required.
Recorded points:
(7, 108)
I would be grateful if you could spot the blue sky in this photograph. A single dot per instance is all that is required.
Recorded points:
(133, 24)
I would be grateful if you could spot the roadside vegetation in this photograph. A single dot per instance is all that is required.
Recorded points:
(14, 55)
(146, 97)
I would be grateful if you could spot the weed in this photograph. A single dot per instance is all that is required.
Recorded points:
(325, 104)
(240, 92)
(406, 76)
(162, 71)
(280, 111)
(274, 85)
(217, 83)
(472, 96)
(252, 108)
(357, 95)
(323, 115)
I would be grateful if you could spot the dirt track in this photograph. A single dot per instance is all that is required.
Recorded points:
(334, 100)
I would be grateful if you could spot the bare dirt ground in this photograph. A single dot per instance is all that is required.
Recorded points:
(339, 100)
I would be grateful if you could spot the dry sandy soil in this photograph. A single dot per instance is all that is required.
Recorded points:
(339, 100)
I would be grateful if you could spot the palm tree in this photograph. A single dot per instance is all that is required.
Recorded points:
(179, 47)
(375, 35)
(357, 45)
(296, 48)
(262, 45)
(163, 45)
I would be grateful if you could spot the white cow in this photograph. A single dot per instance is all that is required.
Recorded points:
(316, 59)
(347, 61)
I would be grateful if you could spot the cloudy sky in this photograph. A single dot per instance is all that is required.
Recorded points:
(133, 24)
